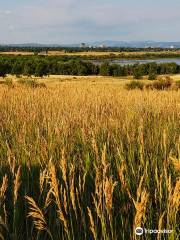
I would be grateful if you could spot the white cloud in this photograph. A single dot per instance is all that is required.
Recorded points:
(11, 27)
(74, 20)
(7, 12)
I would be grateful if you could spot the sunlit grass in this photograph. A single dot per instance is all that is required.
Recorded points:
(88, 161)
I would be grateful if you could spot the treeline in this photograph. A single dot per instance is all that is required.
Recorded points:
(14, 48)
(110, 52)
(41, 66)
(138, 70)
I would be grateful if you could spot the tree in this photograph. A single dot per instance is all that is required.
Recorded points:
(41, 69)
(105, 69)
(3, 69)
(137, 74)
(17, 68)
(29, 68)
(116, 70)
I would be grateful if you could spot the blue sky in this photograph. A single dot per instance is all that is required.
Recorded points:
(71, 21)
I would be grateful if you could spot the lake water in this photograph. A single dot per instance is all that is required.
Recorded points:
(123, 62)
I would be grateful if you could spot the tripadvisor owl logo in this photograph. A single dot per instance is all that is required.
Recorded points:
(139, 231)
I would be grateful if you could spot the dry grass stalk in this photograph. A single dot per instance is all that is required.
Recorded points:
(48, 199)
(168, 184)
(63, 165)
(139, 189)
(98, 205)
(3, 216)
(109, 186)
(105, 164)
(72, 192)
(92, 224)
(95, 148)
(159, 183)
(55, 185)
(175, 196)
(65, 201)
(140, 207)
(81, 183)
(36, 214)
(176, 163)
(141, 140)
(11, 159)
(62, 217)
(55, 191)
(165, 144)
(78, 200)
(173, 207)
(98, 180)
(17, 183)
(42, 179)
(3, 189)
(98, 197)
(121, 172)
(160, 223)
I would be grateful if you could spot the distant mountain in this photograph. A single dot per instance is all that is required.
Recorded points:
(30, 45)
(107, 43)
(136, 44)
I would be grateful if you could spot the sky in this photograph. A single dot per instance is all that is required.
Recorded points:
(74, 21)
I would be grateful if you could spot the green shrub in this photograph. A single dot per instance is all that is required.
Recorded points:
(162, 83)
(152, 76)
(178, 84)
(134, 85)
(137, 74)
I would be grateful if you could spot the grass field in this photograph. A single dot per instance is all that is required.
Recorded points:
(86, 159)
(55, 80)
(120, 54)
(100, 54)
(16, 53)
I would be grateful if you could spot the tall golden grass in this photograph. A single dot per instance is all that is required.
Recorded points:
(88, 162)
(92, 53)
